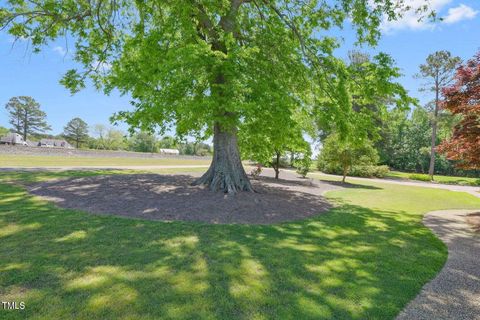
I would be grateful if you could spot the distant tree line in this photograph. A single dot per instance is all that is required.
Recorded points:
(440, 137)
(28, 120)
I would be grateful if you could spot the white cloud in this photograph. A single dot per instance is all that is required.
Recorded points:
(410, 19)
(457, 14)
(60, 50)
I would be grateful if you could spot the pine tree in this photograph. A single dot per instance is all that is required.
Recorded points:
(26, 116)
(76, 130)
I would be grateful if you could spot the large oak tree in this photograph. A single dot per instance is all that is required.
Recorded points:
(208, 67)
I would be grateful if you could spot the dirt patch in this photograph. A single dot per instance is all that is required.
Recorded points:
(172, 197)
(473, 220)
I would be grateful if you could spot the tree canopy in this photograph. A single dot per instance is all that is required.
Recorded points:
(265, 141)
(438, 71)
(3, 131)
(210, 67)
(107, 138)
(144, 142)
(76, 130)
(463, 98)
(340, 154)
(26, 117)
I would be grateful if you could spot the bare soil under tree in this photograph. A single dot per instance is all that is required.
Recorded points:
(173, 197)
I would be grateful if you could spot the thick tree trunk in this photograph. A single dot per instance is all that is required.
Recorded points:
(226, 172)
(345, 171)
(431, 169)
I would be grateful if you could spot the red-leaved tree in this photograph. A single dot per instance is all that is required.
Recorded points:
(463, 98)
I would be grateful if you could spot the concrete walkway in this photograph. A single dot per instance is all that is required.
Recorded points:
(469, 189)
(455, 292)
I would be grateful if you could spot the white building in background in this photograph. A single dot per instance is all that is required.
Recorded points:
(13, 139)
(170, 151)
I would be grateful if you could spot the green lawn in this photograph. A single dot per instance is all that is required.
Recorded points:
(436, 178)
(364, 259)
(53, 161)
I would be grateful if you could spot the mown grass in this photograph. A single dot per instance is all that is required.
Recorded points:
(56, 161)
(28, 176)
(365, 259)
(436, 178)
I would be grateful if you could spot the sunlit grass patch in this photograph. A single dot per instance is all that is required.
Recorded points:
(7, 160)
(365, 258)
(436, 178)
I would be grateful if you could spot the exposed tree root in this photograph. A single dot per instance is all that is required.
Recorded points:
(226, 173)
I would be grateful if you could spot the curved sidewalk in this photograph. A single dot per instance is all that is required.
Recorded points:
(473, 190)
(455, 291)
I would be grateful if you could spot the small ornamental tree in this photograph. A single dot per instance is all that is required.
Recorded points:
(463, 98)
(207, 67)
(343, 153)
(267, 144)
(269, 151)
(76, 130)
(26, 117)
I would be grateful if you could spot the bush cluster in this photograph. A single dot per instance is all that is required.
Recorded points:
(369, 171)
(419, 176)
(366, 171)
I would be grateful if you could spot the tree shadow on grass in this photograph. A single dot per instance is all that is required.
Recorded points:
(31, 176)
(350, 263)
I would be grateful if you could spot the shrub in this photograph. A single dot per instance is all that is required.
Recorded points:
(365, 171)
(418, 176)
(303, 170)
(369, 171)
(304, 165)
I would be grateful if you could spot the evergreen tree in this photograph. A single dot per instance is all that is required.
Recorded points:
(76, 130)
(26, 116)
(438, 70)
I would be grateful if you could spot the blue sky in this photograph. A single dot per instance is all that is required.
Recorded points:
(407, 40)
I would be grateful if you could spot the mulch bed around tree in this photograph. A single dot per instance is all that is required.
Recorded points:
(172, 197)
(474, 220)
